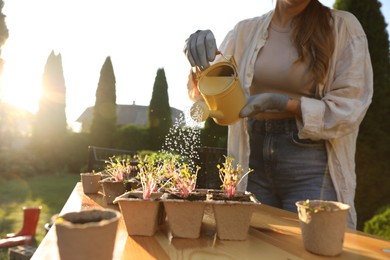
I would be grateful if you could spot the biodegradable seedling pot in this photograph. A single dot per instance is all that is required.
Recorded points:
(228, 211)
(112, 189)
(90, 182)
(141, 216)
(184, 216)
(323, 226)
(88, 234)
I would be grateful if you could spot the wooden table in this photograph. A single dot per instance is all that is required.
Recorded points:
(274, 234)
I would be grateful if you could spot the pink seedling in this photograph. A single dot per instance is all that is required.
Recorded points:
(120, 170)
(150, 175)
(181, 178)
(231, 176)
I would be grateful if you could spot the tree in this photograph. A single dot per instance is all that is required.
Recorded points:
(372, 164)
(3, 38)
(160, 120)
(3, 26)
(104, 113)
(49, 128)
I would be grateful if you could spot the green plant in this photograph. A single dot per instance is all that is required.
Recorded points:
(319, 205)
(158, 157)
(151, 176)
(231, 176)
(119, 169)
(182, 179)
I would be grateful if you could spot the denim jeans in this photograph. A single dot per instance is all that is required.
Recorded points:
(286, 168)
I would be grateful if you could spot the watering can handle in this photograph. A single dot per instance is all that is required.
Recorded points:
(220, 53)
(231, 59)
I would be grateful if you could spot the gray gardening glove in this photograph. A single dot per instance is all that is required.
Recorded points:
(263, 102)
(200, 48)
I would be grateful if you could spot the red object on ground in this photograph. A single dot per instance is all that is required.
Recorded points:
(27, 233)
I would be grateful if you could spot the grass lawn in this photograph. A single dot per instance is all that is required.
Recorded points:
(50, 192)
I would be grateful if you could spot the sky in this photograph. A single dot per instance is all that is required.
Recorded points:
(139, 36)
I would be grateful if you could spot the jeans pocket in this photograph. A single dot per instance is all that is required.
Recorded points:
(306, 142)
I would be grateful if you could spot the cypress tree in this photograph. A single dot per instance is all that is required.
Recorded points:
(49, 127)
(3, 32)
(3, 38)
(372, 164)
(104, 113)
(50, 122)
(214, 135)
(160, 120)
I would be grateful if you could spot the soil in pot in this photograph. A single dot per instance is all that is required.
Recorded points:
(194, 196)
(218, 195)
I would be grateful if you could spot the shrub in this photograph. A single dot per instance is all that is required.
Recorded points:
(379, 224)
(131, 137)
(16, 164)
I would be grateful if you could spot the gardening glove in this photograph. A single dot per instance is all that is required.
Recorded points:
(264, 102)
(200, 48)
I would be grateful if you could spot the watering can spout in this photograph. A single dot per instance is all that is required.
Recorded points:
(200, 112)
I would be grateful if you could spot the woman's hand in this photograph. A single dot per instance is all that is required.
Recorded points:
(200, 48)
(265, 102)
(269, 102)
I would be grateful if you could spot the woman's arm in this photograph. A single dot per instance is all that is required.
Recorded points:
(192, 86)
(294, 106)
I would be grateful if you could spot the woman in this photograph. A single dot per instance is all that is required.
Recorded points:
(307, 73)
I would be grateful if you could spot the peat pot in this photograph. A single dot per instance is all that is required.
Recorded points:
(323, 225)
(141, 216)
(228, 211)
(112, 189)
(90, 181)
(88, 234)
(184, 216)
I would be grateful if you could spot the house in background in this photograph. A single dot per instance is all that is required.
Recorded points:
(127, 114)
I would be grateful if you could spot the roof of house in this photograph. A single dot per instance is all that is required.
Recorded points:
(129, 114)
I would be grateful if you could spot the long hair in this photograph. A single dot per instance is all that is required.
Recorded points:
(313, 37)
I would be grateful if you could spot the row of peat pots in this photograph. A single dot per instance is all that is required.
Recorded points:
(184, 216)
(92, 183)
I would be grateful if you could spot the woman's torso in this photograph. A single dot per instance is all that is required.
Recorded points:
(276, 69)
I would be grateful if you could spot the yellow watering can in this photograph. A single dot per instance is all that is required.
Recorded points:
(222, 93)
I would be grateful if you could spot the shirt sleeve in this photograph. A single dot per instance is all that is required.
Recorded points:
(346, 97)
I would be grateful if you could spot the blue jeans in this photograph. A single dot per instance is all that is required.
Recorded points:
(286, 168)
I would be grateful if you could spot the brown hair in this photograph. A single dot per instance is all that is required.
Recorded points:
(313, 37)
